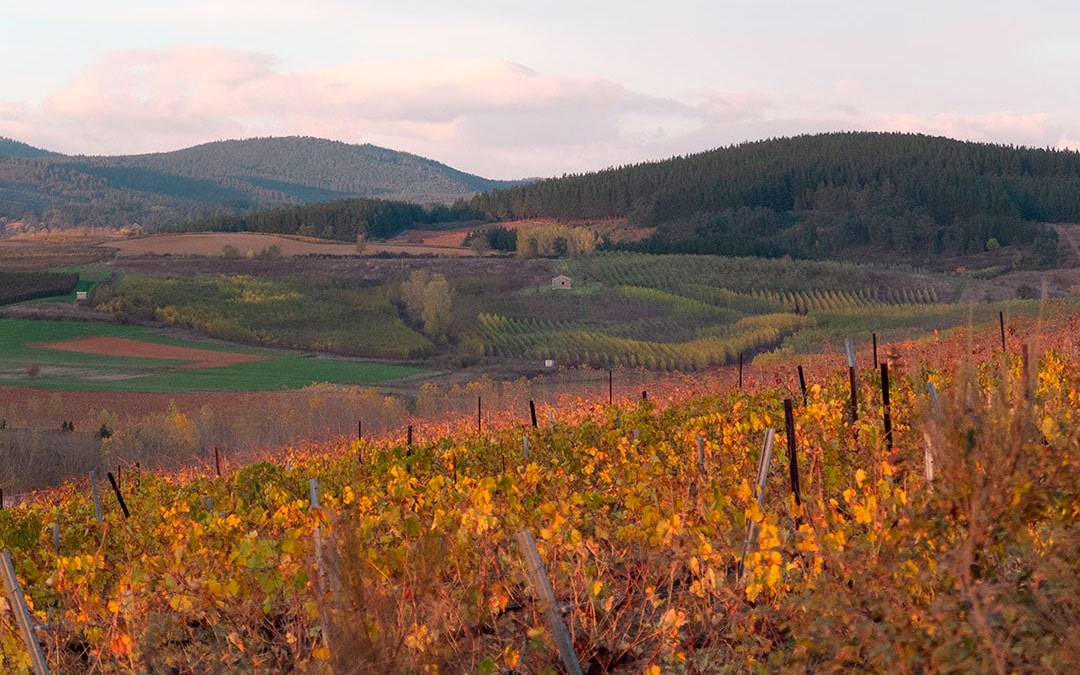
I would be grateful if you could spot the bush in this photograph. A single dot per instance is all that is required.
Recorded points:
(272, 252)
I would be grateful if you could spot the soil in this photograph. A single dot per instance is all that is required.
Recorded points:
(212, 243)
(524, 273)
(115, 346)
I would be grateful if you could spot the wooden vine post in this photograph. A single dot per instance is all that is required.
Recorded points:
(886, 413)
(802, 384)
(793, 460)
(1025, 372)
(535, 567)
(928, 451)
(320, 566)
(854, 412)
(22, 614)
(119, 497)
(759, 494)
(95, 496)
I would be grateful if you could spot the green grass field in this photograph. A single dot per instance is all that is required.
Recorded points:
(93, 372)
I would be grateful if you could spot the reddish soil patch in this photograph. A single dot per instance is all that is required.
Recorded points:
(211, 244)
(436, 238)
(114, 346)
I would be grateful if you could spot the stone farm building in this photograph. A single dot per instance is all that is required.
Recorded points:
(561, 281)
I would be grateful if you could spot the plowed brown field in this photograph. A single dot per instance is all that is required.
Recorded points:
(212, 243)
(116, 346)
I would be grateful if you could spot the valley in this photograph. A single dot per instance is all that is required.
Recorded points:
(278, 394)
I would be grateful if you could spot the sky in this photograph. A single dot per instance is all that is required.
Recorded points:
(516, 88)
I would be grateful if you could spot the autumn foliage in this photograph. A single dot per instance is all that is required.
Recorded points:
(956, 550)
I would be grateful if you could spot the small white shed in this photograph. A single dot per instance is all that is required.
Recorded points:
(561, 281)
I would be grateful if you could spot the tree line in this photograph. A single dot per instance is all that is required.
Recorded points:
(342, 219)
(811, 196)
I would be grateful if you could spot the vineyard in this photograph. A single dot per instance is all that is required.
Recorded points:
(19, 286)
(661, 312)
(286, 313)
(755, 276)
(550, 340)
(946, 541)
(687, 313)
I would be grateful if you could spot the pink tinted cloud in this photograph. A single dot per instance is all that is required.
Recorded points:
(845, 86)
(488, 116)
(149, 100)
(1000, 126)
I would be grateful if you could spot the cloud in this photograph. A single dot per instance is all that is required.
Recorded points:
(1000, 127)
(487, 116)
(845, 86)
(1066, 143)
(150, 100)
(200, 13)
(15, 122)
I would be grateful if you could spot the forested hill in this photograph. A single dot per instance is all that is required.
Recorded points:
(815, 196)
(299, 166)
(39, 189)
(12, 148)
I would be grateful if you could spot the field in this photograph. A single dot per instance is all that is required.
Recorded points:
(499, 315)
(250, 244)
(644, 316)
(659, 312)
(38, 255)
(20, 286)
(103, 357)
(893, 552)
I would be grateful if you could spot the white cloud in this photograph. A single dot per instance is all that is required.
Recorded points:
(845, 86)
(204, 13)
(998, 126)
(149, 100)
(487, 116)
(1066, 143)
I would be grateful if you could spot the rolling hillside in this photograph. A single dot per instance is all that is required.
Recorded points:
(820, 196)
(40, 189)
(13, 148)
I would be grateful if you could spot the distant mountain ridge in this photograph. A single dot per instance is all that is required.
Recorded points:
(43, 189)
